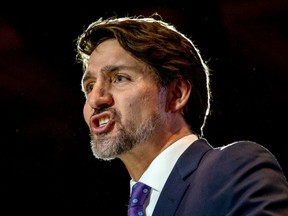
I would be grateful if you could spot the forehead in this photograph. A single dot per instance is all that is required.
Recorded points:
(109, 56)
(110, 52)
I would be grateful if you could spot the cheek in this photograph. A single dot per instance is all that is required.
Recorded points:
(139, 102)
(148, 102)
(86, 113)
(133, 105)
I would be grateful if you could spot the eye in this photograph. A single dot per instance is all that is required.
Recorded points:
(89, 87)
(119, 78)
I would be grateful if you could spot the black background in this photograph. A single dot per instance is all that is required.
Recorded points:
(45, 156)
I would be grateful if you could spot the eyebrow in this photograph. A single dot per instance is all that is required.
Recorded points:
(108, 69)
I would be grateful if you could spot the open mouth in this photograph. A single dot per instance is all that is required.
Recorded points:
(102, 122)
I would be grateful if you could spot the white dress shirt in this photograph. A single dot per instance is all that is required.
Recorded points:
(158, 171)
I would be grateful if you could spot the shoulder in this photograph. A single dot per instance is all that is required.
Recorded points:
(243, 146)
(243, 151)
(239, 153)
(246, 158)
(234, 176)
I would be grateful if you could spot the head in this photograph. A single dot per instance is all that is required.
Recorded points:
(169, 54)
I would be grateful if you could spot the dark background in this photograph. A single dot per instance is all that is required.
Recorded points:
(45, 156)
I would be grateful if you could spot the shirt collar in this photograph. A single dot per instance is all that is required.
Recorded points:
(158, 171)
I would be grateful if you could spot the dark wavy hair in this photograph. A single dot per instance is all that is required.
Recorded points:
(157, 43)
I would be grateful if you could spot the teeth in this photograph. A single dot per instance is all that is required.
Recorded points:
(103, 121)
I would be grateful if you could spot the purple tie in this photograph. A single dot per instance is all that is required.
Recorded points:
(140, 192)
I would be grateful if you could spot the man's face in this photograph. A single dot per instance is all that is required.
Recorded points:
(124, 107)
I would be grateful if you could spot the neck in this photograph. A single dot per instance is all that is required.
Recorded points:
(140, 157)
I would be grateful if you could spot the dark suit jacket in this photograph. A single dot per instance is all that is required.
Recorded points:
(240, 179)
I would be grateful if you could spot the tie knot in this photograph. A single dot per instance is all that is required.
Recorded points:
(140, 191)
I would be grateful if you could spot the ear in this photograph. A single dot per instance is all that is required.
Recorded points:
(179, 92)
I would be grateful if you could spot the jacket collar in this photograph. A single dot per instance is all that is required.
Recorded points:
(176, 185)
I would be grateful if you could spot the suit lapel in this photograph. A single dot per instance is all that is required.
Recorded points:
(175, 185)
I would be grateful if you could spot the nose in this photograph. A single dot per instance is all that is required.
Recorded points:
(100, 96)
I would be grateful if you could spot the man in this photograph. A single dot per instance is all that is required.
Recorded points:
(147, 99)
